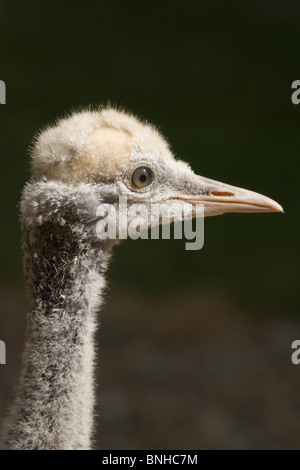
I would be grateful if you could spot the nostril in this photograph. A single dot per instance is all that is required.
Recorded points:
(221, 193)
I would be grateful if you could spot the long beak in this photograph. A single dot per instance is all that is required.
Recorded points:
(220, 198)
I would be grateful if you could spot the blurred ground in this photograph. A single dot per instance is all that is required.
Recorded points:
(183, 372)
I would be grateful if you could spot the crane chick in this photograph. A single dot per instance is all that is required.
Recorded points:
(87, 159)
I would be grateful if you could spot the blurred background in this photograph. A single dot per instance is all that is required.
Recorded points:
(194, 347)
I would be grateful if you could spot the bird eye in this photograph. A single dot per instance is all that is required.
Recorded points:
(142, 177)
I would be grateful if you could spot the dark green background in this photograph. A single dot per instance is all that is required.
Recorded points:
(217, 79)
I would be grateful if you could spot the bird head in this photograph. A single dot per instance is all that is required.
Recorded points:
(113, 154)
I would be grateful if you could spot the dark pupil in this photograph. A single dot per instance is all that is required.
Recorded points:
(142, 177)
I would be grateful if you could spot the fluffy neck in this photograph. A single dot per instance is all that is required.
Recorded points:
(64, 267)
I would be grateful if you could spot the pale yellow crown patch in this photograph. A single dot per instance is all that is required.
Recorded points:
(93, 146)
